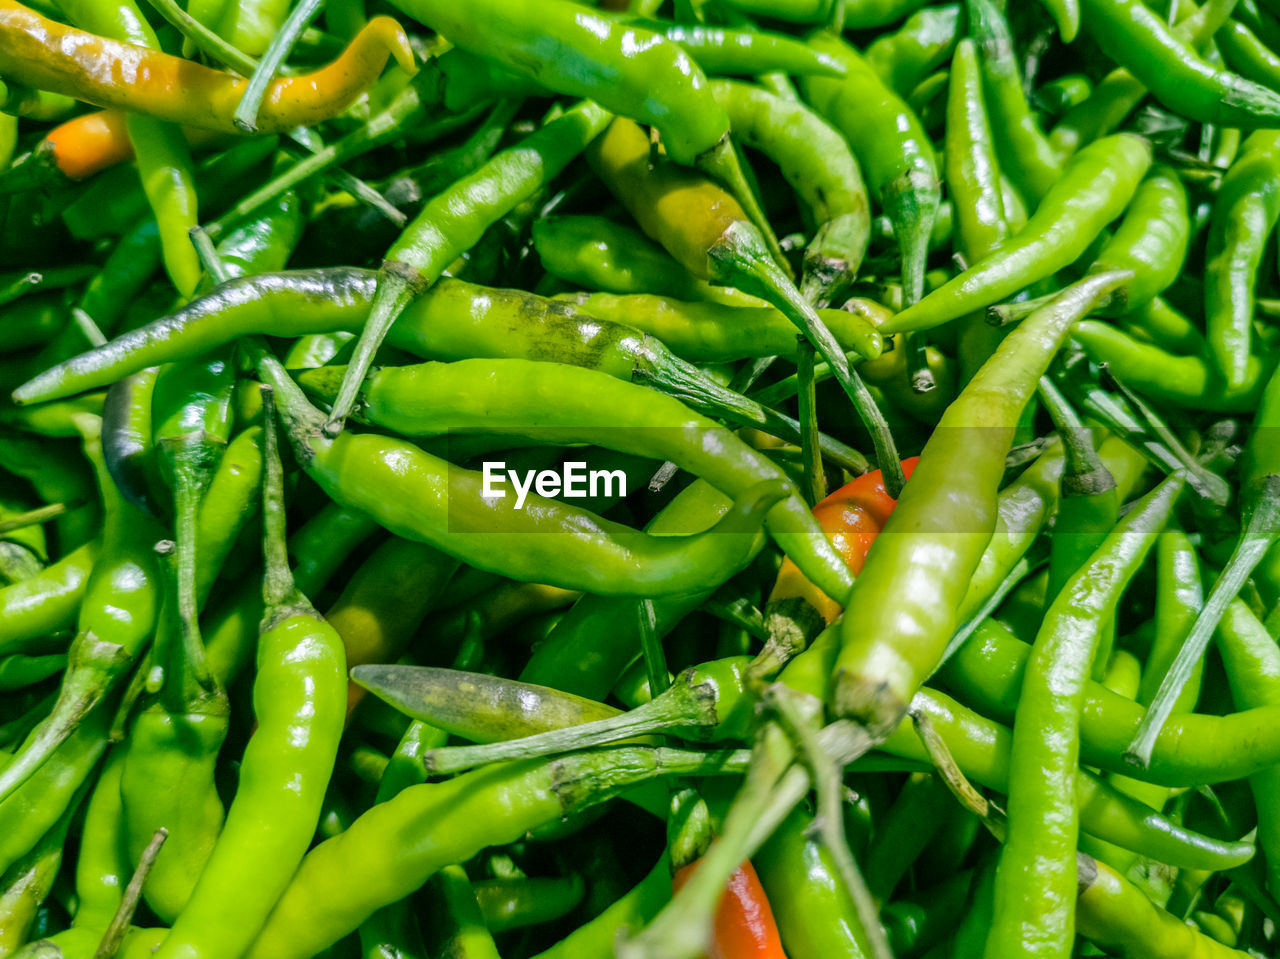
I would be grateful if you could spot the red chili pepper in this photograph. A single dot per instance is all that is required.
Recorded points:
(852, 516)
(744, 927)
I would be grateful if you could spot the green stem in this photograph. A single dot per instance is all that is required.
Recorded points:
(655, 657)
(41, 514)
(680, 705)
(278, 588)
(205, 39)
(394, 293)
(741, 260)
(815, 482)
(115, 933)
(246, 115)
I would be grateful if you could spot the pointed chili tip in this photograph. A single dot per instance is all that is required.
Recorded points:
(389, 31)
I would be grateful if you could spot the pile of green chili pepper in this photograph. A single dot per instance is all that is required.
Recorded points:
(654, 479)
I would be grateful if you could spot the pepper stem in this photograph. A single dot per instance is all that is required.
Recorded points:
(740, 259)
(395, 292)
(675, 377)
(119, 925)
(278, 588)
(723, 163)
(1262, 528)
(246, 115)
(681, 705)
(1084, 472)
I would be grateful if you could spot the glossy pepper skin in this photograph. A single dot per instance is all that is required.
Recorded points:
(300, 704)
(1037, 871)
(1137, 38)
(892, 147)
(424, 498)
(551, 403)
(744, 925)
(889, 648)
(1094, 189)
(52, 56)
(1244, 213)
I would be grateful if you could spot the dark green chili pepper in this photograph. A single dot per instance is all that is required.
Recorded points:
(1244, 213)
(1028, 157)
(627, 914)
(59, 474)
(19, 671)
(816, 161)
(507, 904)
(420, 497)
(903, 831)
(553, 403)
(32, 321)
(128, 445)
(1037, 870)
(1095, 187)
(117, 617)
(890, 647)
(1133, 35)
(892, 147)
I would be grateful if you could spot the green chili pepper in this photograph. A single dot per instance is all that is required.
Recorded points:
(817, 162)
(923, 43)
(1187, 381)
(627, 914)
(552, 403)
(1139, 40)
(627, 69)
(300, 699)
(892, 147)
(29, 882)
(1115, 913)
(337, 885)
(725, 51)
(1192, 748)
(48, 601)
(1245, 211)
(1037, 874)
(1095, 187)
(164, 162)
(1151, 241)
(117, 617)
(705, 702)
(599, 254)
(453, 222)
(1028, 156)
(890, 648)
(591, 646)
(718, 333)
(422, 498)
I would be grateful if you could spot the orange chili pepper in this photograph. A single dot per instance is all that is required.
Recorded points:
(92, 142)
(744, 926)
(52, 56)
(852, 516)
